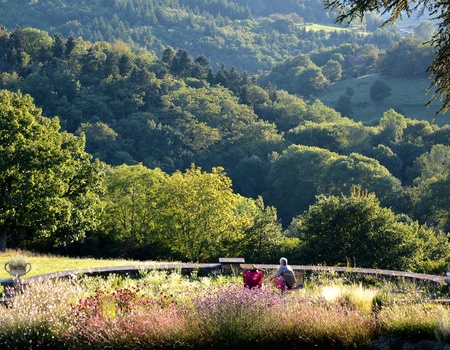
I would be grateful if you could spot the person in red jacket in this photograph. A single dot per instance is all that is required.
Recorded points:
(253, 277)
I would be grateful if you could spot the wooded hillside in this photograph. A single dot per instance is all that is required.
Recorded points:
(251, 35)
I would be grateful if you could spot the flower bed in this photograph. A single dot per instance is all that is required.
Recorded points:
(168, 310)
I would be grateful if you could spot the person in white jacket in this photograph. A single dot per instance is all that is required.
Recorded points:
(284, 278)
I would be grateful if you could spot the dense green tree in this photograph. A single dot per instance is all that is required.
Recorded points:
(295, 176)
(344, 105)
(407, 138)
(420, 132)
(438, 136)
(332, 70)
(215, 106)
(387, 158)
(145, 139)
(263, 241)
(344, 136)
(125, 64)
(222, 76)
(345, 172)
(259, 138)
(411, 50)
(257, 97)
(16, 54)
(93, 61)
(37, 43)
(101, 140)
(317, 112)
(298, 75)
(168, 56)
(379, 91)
(182, 64)
(435, 163)
(58, 46)
(430, 202)
(357, 231)
(197, 211)
(391, 128)
(249, 176)
(286, 111)
(234, 80)
(130, 208)
(70, 46)
(49, 189)
(201, 67)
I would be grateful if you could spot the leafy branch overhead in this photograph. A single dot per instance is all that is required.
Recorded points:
(349, 10)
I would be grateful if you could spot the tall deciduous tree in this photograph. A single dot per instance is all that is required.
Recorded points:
(435, 163)
(299, 75)
(343, 172)
(332, 70)
(431, 202)
(411, 50)
(287, 111)
(198, 214)
(131, 198)
(379, 91)
(48, 186)
(295, 176)
(263, 240)
(391, 128)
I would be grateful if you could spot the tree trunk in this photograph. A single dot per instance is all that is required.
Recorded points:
(2, 241)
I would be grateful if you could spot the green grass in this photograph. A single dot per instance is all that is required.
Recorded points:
(327, 28)
(408, 97)
(43, 264)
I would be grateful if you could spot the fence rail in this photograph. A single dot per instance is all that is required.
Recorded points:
(11, 285)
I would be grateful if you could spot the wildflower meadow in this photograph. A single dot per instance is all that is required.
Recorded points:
(162, 310)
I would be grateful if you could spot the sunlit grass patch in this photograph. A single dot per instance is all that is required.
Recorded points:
(416, 321)
(43, 263)
(328, 28)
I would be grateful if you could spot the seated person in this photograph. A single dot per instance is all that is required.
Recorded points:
(284, 278)
(253, 277)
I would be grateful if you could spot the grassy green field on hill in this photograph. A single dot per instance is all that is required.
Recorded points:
(408, 97)
(328, 28)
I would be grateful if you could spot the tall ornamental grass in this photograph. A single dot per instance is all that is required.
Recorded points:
(416, 321)
(38, 318)
(320, 324)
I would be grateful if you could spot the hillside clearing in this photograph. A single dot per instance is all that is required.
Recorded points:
(408, 97)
